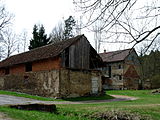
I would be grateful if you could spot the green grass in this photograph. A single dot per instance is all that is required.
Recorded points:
(18, 94)
(147, 104)
(35, 115)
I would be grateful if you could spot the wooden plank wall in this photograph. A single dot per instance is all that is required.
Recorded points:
(79, 54)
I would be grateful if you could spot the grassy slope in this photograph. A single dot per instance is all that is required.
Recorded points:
(35, 115)
(25, 95)
(147, 104)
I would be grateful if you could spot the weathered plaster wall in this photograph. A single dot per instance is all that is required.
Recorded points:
(115, 82)
(44, 83)
(96, 78)
(54, 83)
(79, 83)
(1, 83)
(124, 74)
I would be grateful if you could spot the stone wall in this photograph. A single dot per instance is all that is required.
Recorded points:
(115, 81)
(124, 74)
(75, 83)
(44, 83)
(55, 83)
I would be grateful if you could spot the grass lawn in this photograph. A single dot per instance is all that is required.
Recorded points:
(147, 105)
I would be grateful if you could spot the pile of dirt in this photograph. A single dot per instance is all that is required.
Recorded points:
(156, 91)
(117, 115)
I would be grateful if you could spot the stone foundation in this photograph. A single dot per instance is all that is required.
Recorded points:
(55, 83)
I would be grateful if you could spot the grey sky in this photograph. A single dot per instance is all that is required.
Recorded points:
(46, 12)
(49, 13)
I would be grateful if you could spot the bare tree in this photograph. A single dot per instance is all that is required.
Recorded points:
(128, 21)
(5, 17)
(23, 41)
(5, 21)
(9, 43)
(57, 33)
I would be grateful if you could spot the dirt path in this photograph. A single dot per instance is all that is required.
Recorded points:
(11, 100)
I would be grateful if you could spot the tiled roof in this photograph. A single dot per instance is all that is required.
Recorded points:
(48, 51)
(115, 56)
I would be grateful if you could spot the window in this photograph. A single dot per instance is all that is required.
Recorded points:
(120, 77)
(6, 71)
(114, 75)
(132, 58)
(28, 67)
(109, 71)
(119, 66)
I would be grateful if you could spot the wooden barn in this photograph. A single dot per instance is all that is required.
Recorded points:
(64, 69)
(121, 69)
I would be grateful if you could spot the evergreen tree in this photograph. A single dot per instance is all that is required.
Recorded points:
(69, 24)
(39, 37)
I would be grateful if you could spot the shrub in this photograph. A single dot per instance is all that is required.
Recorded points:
(118, 115)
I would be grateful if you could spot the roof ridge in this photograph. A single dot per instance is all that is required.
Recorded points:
(118, 55)
(45, 46)
(116, 51)
(50, 50)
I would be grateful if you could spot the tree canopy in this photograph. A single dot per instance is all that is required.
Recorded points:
(69, 24)
(63, 30)
(39, 37)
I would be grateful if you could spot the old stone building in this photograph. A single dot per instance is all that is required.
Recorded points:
(121, 69)
(64, 69)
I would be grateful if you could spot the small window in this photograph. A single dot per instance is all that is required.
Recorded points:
(109, 71)
(120, 77)
(6, 71)
(119, 66)
(28, 67)
(132, 58)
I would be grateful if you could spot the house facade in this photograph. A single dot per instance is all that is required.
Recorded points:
(121, 69)
(64, 69)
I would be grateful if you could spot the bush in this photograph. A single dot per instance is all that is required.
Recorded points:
(117, 115)
(155, 81)
(156, 91)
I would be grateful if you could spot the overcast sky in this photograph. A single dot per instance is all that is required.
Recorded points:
(46, 12)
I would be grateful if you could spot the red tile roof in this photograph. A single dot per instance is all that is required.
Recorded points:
(48, 51)
(115, 56)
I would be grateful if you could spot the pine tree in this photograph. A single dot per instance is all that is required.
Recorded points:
(69, 24)
(39, 37)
